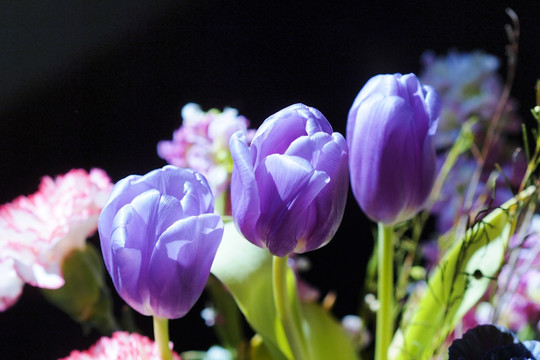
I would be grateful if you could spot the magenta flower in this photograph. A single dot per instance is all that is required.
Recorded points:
(390, 132)
(289, 188)
(159, 235)
(202, 143)
(121, 346)
(37, 232)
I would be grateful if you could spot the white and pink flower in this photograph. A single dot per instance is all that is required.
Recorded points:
(38, 231)
(202, 143)
(121, 346)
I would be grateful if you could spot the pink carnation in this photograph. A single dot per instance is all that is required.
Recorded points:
(121, 346)
(38, 231)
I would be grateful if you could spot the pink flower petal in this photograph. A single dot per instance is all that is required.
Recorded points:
(38, 231)
(121, 346)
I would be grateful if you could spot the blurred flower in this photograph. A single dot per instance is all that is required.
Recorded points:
(356, 330)
(210, 316)
(37, 232)
(202, 143)
(159, 235)
(121, 346)
(11, 284)
(492, 190)
(520, 281)
(289, 188)
(492, 342)
(306, 291)
(390, 132)
(469, 85)
(218, 353)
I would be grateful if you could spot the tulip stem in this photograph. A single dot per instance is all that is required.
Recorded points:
(161, 337)
(283, 308)
(385, 282)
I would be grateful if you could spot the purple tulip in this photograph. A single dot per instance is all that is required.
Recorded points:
(159, 235)
(289, 187)
(390, 133)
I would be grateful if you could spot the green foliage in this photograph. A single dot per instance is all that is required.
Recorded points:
(246, 271)
(84, 295)
(229, 326)
(459, 281)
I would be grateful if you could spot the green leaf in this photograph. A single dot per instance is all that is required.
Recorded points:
(327, 339)
(459, 281)
(258, 349)
(229, 327)
(84, 296)
(246, 271)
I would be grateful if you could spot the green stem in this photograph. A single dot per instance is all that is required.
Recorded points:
(161, 337)
(283, 307)
(385, 281)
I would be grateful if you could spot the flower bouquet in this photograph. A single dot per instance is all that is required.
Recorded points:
(436, 160)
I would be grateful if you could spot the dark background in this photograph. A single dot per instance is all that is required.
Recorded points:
(97, 84)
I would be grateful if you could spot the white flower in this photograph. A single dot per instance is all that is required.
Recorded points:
(38, 231)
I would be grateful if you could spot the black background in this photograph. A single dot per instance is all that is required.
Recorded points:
(98, 85)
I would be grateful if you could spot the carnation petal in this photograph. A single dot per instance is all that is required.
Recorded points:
(40, 230)
(11, 285)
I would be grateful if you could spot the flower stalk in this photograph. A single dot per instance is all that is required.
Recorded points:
(283, 308)
(161, 337)
(385, 291)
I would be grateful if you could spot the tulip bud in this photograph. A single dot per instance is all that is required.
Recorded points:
(289, 187)
(390, 132)
(159, 235)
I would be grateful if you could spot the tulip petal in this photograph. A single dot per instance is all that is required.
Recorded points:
(380, 158)
(392, 159)
(309, 147)
(315, 120)
(132, 241)
(327, 153)
(169, 210)
(122, 193)
(303, 216)
(332, 155)
(288, 184)
(181, 262)
(328, 208)
(146, 241)
(195, 194)
(244, 189)
(129, 279)
(276, 181)
(433, 108)
(141, 224)
(289, 175)
(278, 131)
